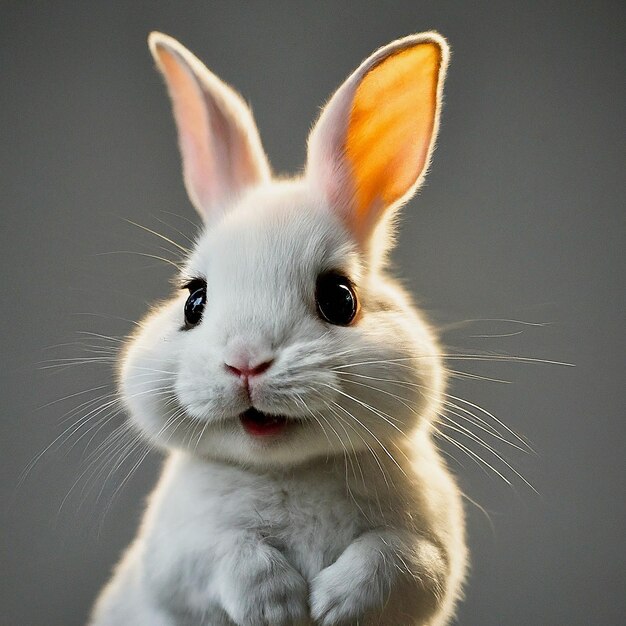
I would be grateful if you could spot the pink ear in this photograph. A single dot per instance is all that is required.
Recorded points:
(371, 146)
(219, 142)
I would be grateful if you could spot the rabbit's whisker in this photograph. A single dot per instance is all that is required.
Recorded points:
(72, 395)
(378, 441)
(100, 336)
(353, 458)
(386, 417)
(450, 396)
(184, 250)
(116, 434)
(492, 416)
(470, 375)
(463, 323)
(459, 357)
(452, 425)
(180, 232)
(144, 254)
(472, 455)
(371, 450)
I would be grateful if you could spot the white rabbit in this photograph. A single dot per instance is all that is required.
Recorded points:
(291, 381)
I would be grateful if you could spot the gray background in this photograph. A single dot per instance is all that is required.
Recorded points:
(521, 218)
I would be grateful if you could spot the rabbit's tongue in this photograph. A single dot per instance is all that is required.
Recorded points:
(262, 425)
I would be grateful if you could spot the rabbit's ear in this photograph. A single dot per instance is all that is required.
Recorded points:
(371, 146)
(219, 141)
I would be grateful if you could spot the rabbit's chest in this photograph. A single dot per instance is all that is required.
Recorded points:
(311, 522)
(197, 520)
(310, 519)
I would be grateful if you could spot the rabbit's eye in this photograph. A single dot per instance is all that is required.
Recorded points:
(336, 299)
(195, 303)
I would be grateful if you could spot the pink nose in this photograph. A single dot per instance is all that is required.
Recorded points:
(246, 370)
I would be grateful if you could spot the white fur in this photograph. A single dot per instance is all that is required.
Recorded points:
(350, 516)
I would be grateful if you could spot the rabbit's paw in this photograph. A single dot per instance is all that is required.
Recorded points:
(342, 596)
(266, 591)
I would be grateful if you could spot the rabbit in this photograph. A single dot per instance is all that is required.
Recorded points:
(291, 381)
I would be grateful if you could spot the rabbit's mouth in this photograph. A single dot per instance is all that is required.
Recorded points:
(260, 424)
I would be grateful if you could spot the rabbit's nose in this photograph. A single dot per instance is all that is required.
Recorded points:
(244, 369)
(246, 357)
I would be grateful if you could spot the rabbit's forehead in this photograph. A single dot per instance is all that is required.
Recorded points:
(267, 246)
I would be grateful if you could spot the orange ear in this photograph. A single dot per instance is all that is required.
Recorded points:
(378, 130)
(391, 125)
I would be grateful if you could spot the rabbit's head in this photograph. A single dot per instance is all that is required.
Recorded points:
(287, 340)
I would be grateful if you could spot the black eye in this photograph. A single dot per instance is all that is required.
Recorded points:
(336, 299)
(195, 302)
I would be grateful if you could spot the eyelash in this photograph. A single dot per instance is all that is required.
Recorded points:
(193, 284)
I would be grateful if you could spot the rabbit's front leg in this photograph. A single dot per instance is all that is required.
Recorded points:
(258, 587)
(388, 575)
